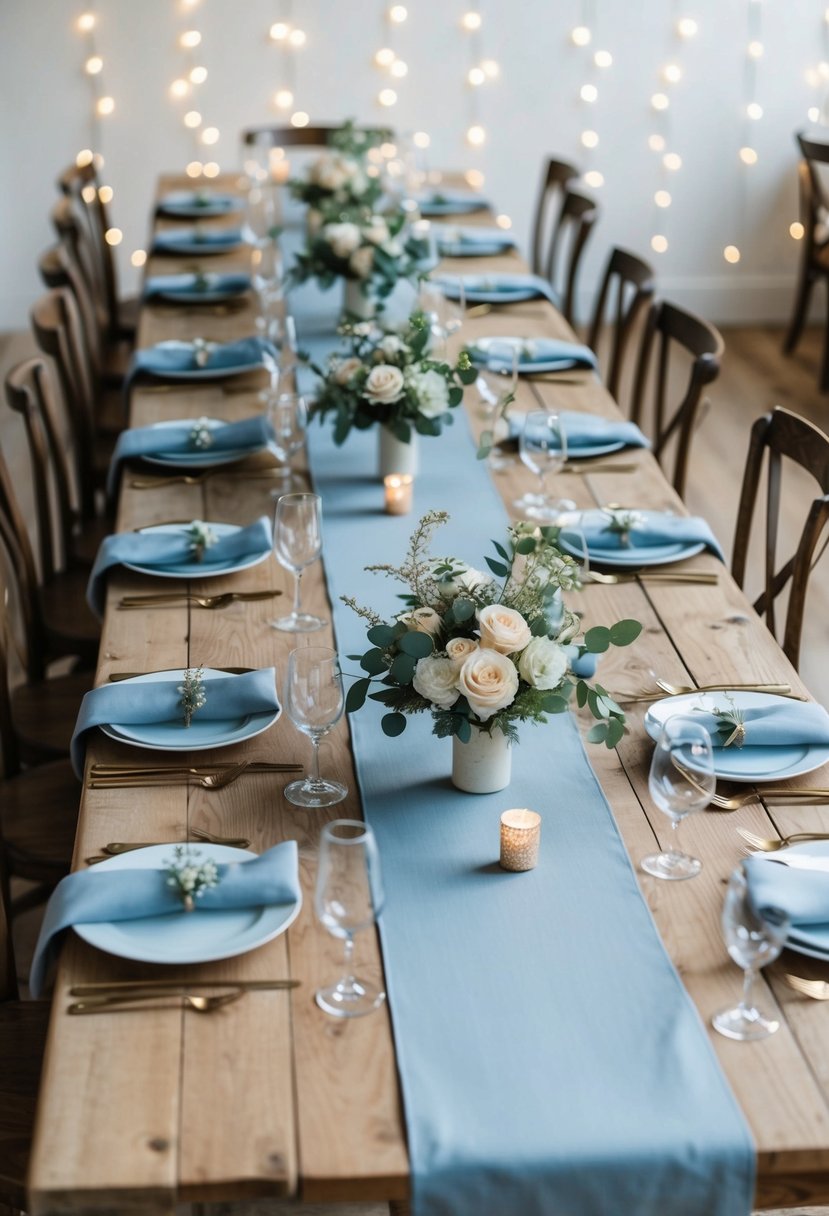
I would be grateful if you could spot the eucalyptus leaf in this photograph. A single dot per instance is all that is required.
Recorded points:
(382, 635)
(402, 668)
(497, 567)
(625, 632)
(463, 610)
(356, 697)
(393, 724)
(418, 645)
(597, 639)
(527, 544)
(373, 661)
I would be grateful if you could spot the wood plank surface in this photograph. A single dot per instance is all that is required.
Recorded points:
(271, 1096)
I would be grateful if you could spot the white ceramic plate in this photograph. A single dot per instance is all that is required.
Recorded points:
(747, 764)
(648, 555)
(206, 459)
(181, 937)
(201, 735)
(199, 569)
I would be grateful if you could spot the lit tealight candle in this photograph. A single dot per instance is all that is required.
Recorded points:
(398, 493)
(520, 838)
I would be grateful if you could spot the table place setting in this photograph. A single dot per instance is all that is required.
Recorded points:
(587, 436)
(195, 204)
(202, 359)
(500, 288)
(438, 202)
(624, 537)
(454, 242)
(535, 355)
(197, 241)
(196, 287)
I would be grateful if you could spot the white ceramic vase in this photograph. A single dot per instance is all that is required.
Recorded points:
(395, 456)
(355, 302)
(484, 764)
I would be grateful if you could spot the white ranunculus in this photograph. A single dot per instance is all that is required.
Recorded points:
(435, 679)
(459, 650)
(489, 682)
(543, 663)
(432, 392)
(391, 345)
(376, 231)
(503, 629)
(332, 172)
(343, 238)
(384, 385)
(422, 620)
(345, 369)
(361, 262)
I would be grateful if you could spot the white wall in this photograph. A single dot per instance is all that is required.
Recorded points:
(533, 109)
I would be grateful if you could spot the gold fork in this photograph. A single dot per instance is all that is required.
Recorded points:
(764, 845)
(678, 690)
(208, 781)
(123, 1004)
(189, 479)
(653, 576)
(196, 601)
(818, 990)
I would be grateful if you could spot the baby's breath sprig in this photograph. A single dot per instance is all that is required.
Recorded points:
(193, 696)
(201, 537)
(191, 878)
(201, 436)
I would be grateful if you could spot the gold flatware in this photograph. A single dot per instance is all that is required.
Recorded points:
(704, 577)
(818, 990)
(197, 601)
(676, 690)
(795, 797)
(116, 847)
(116, 987)
(188, 479)
(115, 676)
(208, 781)
(483, 310)
(254, 766)
(556, 378)
(600, 468)
(765, 845)
(199, 1004)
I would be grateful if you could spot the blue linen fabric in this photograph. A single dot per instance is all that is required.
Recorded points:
(494, 287)
(91, 896)
(473, 242)
(150, 701)
(779, 724)
(537, 354)
(450, 202)
(248, 436)
(211, 240)
(177, 357)
(188, 284)
(587, 430)
(803, 894)
(550, 1058)
(196, 202)
(160, 549)
(653, 528)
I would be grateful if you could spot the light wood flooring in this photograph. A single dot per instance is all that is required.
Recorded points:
(755, 377)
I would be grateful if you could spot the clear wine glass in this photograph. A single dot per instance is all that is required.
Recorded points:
(314, 700)
(753, 937)
(496, 380)
(288, 415)
(349, 899)
(297, 543)
(259, 217)
(542, 446)
(681, 781)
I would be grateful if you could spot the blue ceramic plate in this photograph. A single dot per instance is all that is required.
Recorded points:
(187, 204)
(748, 764)
(198, 937)
(198, 460)
(205, 295)
(483, 289)
(449, 202)
(526, 366)
(200, 735)
(649, 555)
(199, 569)
(201, 373)
(183, 244)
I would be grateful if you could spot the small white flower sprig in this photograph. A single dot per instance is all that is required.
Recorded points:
(732, 724)
(621, 523)
(193, 696)
(190, 877)
(201, 537)
(484, 651)
(201, 436)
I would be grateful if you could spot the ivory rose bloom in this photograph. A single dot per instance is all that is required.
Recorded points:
(432, 392)
(343, 238)
(543, 663)
(422, 620)
(361, 262)
(332, 172)
(384, 384)
(376, 231)
(503, 629)
(391, 345)
(345, 369)
(434, 678)
(459, 650)
(462, 579)
(489, 682)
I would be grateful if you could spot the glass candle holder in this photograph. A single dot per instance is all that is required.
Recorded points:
(399, 490)
(520, 838)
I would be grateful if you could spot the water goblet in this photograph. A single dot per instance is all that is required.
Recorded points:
(542, 446)
(297, 543)
(349, 899)
(495, 382)
(681, 781)
(314, 700)
(753, 937)
(288, 416)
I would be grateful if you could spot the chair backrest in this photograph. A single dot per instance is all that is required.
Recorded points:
(80, 184)
(8, 970)
(776, 435)
(555, 177)
(667, 331)
(628, 286)
(59, 267)
(575, 222)
(18, 589)
(289, 137)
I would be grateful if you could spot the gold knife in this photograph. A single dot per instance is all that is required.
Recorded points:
(135, 990)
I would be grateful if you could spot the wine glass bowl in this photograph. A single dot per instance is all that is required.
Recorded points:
(297, 543)
(314, 701)
(542, 446)
(288, 416)
(495, 382)
(681, 781)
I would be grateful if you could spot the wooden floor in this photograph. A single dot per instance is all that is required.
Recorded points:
(754, 378)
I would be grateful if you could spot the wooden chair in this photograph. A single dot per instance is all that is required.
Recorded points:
(23, 1026)
(318, 136)
(670, 330)
(555, 178)
(628, 286)
(777, 435)
(576, 218)
(814, 255)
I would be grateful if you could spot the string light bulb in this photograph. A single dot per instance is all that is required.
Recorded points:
(212, 169)
(179, 88)
(385, 57)
(387, 97)
(748, 156)
(588, 92)
(210, 135)
(754, 110)
(660, 101)
(672, 161)
(594, 178)
(194, 168)
(113, 236)
(192, 119)
(581, 36)
(88, 194)
(491, 68)
(105, 194)
(687, 27)
(603, 59)
(476, 76)
(589, 139)
(476, 135)
(662, 198)
(283, 99)
(755, 49)
(300, 119)
(475, 179)
(94, 65)
(398, 13)
(138, 257)
(731, 254)
(659, 243)
(279, 31)
(656, 142)
(672, 72)
(198, 75)
(297, 38)
(104, 106)
(471, 20)
(503, 221)
(190, 39)
(796, 231)
(813, 114)
(84, 158)
(421, 140)
(86, 22)
(399, 69)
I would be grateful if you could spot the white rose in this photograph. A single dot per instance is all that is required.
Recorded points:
(343, 238)
(361, 262)
(489, 682)
(543, 663)
(391, 345)
(363, 329)
(459, 650)
(422, 620)
(384, 384)
(345, 369)
(503, 629)
(462, 578)
(376, 231)
(330, 172)
(432, 392)
(393, 248)
(434, 678)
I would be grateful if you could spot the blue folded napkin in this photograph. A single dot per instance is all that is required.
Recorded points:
(473, 242)
(93, 896)
(158, 702)
(783, 723)
(450, 202)
(211, 240)
(175, 357)
(652, 529)
(587, 430)
(249, 435)
(497, 288)
(160, 549)
(198, 202)
(535, 354)
(208, 285)
(803, 894)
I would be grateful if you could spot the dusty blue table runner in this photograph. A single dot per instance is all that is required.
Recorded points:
(550, 1059)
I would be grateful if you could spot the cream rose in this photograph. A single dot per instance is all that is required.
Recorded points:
(422, 620)
(459, 650)
(345, 369)
(361, 262)
(343, 238)
(434, 678)
(391, 345)
(384, 384)
(543, 663)
(489, 682)
(333, 172)
(432, 392)
(503, 629)
(376, 231)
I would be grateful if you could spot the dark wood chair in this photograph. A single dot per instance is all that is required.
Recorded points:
(627, 287)
(669, 332)
(318, 136)
(556, 176)
(23, 1026)
(575, 222)
(775, 436)
(814, 255)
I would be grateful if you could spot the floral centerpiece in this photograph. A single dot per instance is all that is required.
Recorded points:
(339, 179)
(483, 653)
(388, 378)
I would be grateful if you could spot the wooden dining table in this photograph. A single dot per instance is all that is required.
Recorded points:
(139, 1111)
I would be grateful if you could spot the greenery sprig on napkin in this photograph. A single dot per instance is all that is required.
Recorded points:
(193, 696)
(731, 723)
(191, 878)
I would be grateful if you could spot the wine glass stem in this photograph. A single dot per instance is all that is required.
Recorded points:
(315, 759)
(542, 479)
(297, 581)
(346, 983)
(748, 984)
(674, 850)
